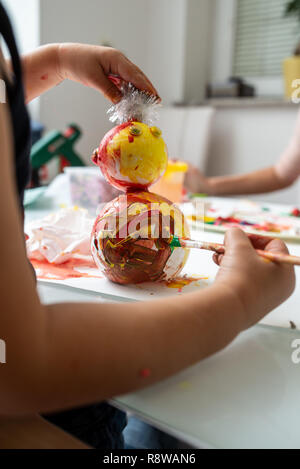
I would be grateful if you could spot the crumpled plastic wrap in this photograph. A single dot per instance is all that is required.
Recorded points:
(60, 236)
(136, 105)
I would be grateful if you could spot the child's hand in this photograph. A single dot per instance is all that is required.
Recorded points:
(195, 181)
(259, 285)
(91, 65)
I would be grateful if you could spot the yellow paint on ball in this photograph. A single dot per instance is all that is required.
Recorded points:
(143, 154)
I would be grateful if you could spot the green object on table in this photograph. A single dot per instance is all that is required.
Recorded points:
(175, 243)
(56, 144)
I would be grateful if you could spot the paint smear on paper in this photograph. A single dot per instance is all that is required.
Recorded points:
(45, 270)
(185, 385)
(181, 282)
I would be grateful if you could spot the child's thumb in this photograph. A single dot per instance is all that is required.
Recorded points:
(108, 88)
(237, 241)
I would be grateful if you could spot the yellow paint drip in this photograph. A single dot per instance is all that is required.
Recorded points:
(185, 385)
(181, 282)
(201, 218)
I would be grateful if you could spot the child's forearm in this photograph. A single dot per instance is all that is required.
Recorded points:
(41, 71)
(93, 352)
(258, 182)
(89, 65)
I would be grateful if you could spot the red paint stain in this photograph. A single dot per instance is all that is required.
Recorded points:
(45, 77)
(145, 373)
(47, 271)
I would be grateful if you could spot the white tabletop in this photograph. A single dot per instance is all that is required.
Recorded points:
(246, 396)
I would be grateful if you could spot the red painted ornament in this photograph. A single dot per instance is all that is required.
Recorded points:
(130, 241)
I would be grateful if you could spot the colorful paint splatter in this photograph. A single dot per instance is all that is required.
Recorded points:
(46, 271)
(252, 217)
(180, 282)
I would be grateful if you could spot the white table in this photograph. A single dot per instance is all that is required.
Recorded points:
(247, 396)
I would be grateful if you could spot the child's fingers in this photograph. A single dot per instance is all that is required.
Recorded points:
(272, 245)
(217, 258)
(101, 82)
(131, 73)
(259, 242)
(236, 240)
(116, 80)
(113, 62)
(277, 246)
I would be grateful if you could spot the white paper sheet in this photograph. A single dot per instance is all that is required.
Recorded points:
(199, 265)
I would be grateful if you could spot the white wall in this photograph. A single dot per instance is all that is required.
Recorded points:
(198, 49)
(164, 61)
(149, 32)
(223, 25)
(24, 15)
(246, 139)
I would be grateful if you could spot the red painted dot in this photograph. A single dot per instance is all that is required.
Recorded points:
(145, 373)
(44, 77)
(296, 212)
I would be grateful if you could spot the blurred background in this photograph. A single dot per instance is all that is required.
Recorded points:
(191, 50)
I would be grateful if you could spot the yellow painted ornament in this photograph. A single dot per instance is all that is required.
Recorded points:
(132, 156)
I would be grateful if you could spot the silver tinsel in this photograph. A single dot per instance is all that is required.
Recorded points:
(135, 105)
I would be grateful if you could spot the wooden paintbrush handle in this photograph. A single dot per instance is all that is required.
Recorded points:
(280, 258)
(220, 249)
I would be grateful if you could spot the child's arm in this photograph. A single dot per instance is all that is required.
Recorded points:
(281, 175)
(257, 182)
(70, 354)
(90, 65)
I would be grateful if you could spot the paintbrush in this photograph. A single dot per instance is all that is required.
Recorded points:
(220, 249)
